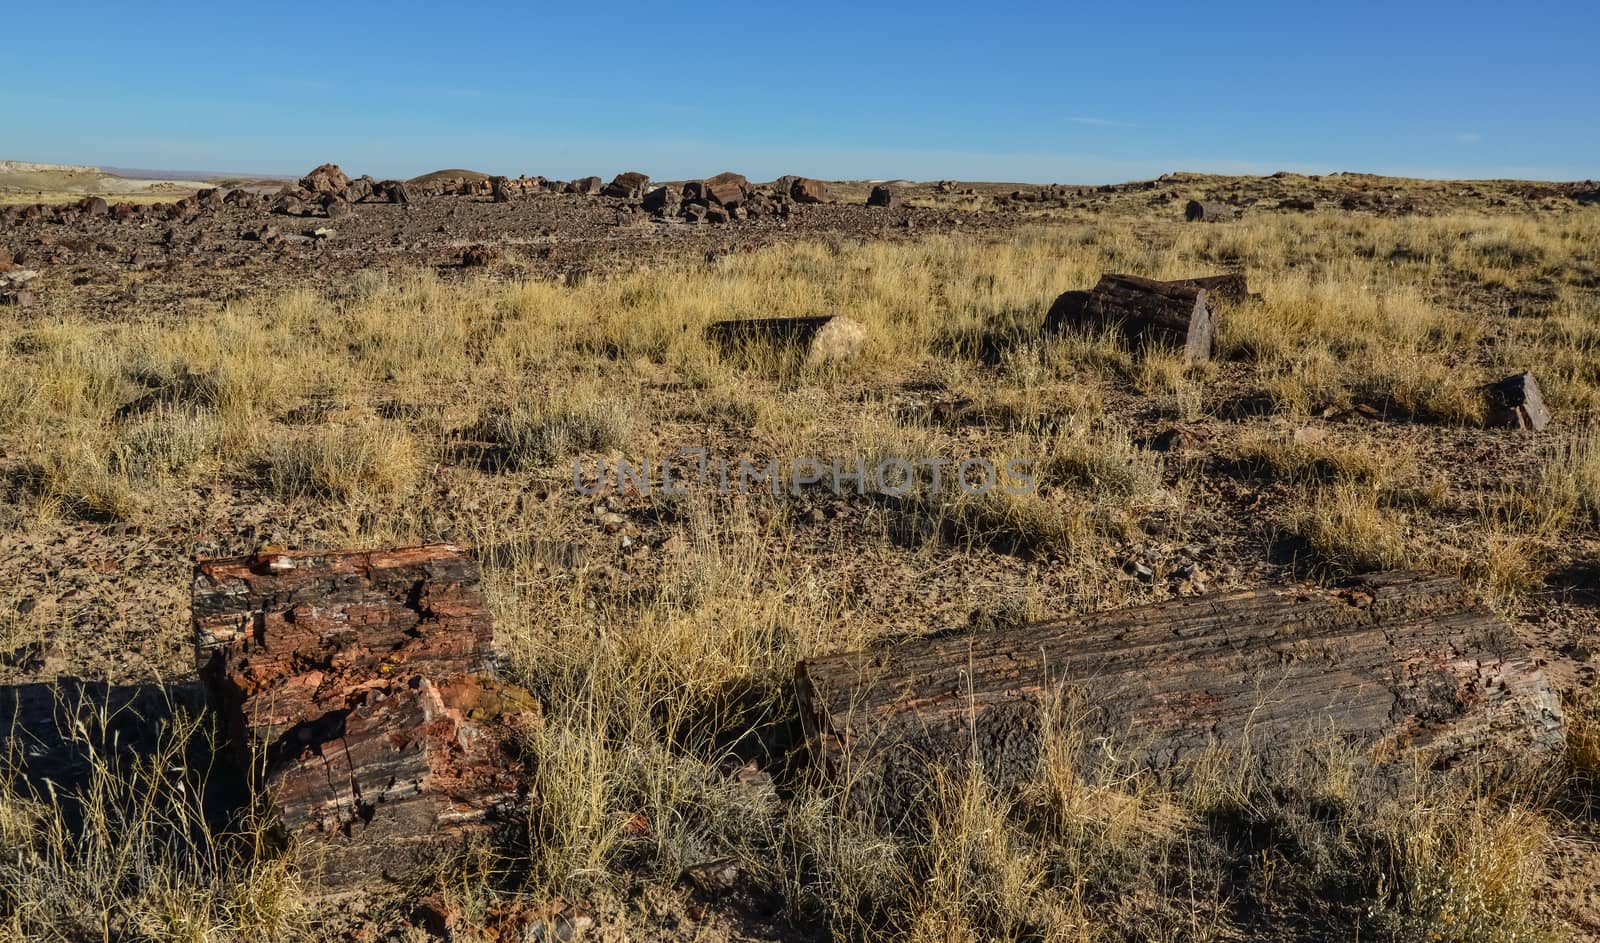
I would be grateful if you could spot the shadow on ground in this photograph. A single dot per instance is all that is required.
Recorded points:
(71, 740)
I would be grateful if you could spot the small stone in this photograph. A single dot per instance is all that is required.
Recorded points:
(558, 928)
(477, 256)
(714, 877)
(1175, 439)
(1517, 403)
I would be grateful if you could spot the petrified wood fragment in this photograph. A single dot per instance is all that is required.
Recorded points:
(1197, 211)
(1517, 403)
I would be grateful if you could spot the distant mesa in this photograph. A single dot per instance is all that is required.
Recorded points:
(32, 167)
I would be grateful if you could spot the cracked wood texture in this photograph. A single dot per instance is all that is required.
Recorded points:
(1230, 287)
(1396, 663)
(1173, 314)
(353, 676)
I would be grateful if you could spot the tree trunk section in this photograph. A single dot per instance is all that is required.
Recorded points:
(1230, 288)
(819, 339)
(355, 678)
(1144, 310)
(1395, 663)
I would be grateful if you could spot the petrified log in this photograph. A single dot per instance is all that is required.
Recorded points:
(628, 186)
(821, 339)
(1206, 212)
(1143, 309)
(1230, 287)
(352, 676)
(498, 191)
(726, 189)
(1394, 663)
(1516, 403)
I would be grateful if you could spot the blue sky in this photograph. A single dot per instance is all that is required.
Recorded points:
(1038, 93)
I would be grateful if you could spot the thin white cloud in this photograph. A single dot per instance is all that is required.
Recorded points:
(1468, 137)
(1095, 122)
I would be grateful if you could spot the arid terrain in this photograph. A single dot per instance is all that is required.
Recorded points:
(347, 363)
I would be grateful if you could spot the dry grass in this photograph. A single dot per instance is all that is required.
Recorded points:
(664, 674)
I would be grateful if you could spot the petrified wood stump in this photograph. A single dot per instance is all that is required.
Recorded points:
(354, 677)
(1395, 663)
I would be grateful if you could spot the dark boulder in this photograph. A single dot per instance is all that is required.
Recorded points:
(806, 190)
(391, 191)
(662, 201)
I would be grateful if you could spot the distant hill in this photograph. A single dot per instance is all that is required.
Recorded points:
(199, 176)
(32, 181)
(452, 174)
(19, 176)
(30, 167)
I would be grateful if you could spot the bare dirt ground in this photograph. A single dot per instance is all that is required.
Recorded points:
(175, 375)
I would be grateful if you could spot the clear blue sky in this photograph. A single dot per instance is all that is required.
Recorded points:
(1002, 91)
